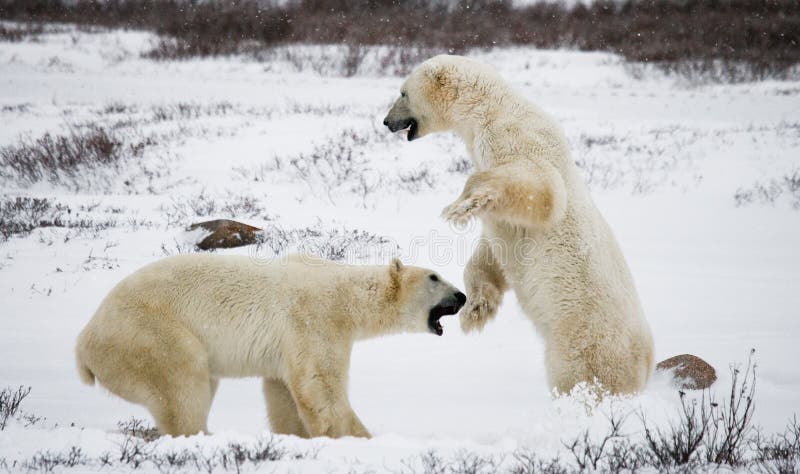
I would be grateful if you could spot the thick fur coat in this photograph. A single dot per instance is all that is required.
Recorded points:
(543, 236)
(165, 335)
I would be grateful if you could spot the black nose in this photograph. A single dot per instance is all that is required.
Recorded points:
(386, 122)
(461, 297)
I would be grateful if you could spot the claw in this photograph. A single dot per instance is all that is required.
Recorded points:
(480, 309)
(460, 212)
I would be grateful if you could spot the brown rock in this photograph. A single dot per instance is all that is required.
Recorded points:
(688, 371)
(225, 234)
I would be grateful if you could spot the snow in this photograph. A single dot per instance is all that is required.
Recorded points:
(667, 158)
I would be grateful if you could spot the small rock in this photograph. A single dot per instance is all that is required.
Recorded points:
(225, 234)
(689, 372)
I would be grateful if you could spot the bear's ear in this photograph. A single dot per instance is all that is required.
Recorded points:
(396, 266)
(395, 280)
(395, 269)
(437, 75)
(443, 87)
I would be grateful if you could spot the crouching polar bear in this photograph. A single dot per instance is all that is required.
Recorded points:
(572, 279)
(166, 334)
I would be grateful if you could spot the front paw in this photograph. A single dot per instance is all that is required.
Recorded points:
(482, 305)
(463, 209)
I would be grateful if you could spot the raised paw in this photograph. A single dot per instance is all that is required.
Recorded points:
(463, 209)
(481, 306)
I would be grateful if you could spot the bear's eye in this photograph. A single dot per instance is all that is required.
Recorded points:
(433, 277)
(402, 94)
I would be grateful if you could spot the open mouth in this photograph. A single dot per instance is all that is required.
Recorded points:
(412, 130)
(410, 125)
(436, 314)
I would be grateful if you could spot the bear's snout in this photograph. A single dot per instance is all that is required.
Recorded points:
(398, 124)
(453, 302)
(461, 298)
(399, 118)
(403, 124)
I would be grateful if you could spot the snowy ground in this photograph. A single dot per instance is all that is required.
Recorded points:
(238, 138)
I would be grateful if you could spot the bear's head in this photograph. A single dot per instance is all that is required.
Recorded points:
(440, 94)
(423, 297)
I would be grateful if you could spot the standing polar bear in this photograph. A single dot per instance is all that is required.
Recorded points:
(542, 234)
(165, 335)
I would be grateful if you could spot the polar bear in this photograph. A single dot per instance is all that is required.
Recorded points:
(542, 234)
(165, 335)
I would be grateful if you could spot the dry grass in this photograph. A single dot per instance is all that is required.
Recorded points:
(727, 39)
(787, 187)
(63, 158)
(707, 435)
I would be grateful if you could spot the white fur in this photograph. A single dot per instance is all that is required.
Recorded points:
(166, 334)
(573, 281)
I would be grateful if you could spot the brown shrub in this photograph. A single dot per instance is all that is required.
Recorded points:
(751, 39)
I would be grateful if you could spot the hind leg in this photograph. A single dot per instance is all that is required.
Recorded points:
(152, 362)
(281, 409)
(182, 388)
(562, 373)
(602, 368)
(182, 406)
